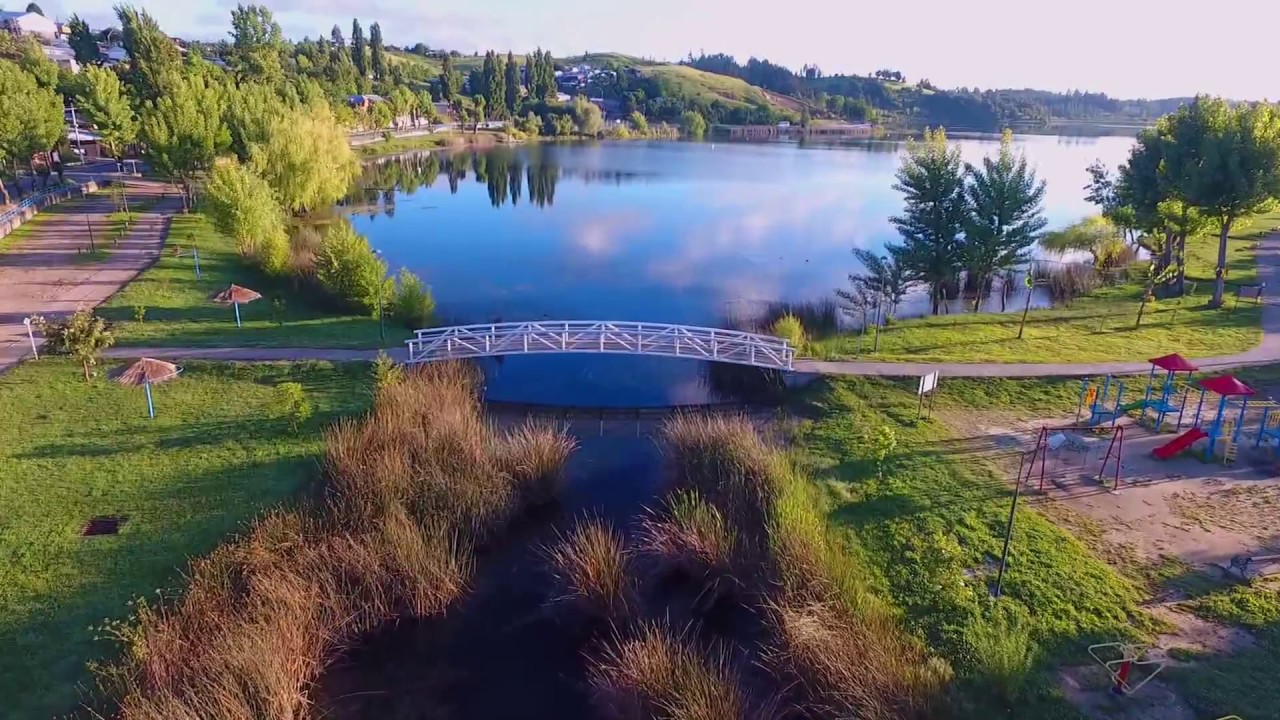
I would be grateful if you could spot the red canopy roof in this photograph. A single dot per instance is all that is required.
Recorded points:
(1173, 362)
(1226, 385)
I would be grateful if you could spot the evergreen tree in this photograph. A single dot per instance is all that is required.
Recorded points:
(377, 54)
(548, 75)
(83, 41)
(449, 81)
(336, 39)
(512, 84)
(494, 84)
(359, 57)
(528, 74)
(1006, 215)
(931, 179)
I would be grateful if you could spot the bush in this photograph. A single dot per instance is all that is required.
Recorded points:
(292, 400)
(413, 304)
(348, 269)
(386, 372)
(693, 125)
(83, 335)
(788, 328)
(242, 206)
(639, 123)
(530, 125)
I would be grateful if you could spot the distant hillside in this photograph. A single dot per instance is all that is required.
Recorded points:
(890, 99)
(662, 91)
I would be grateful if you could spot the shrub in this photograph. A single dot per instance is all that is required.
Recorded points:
(591, 567)
(413, 304)
(788, 328)
(292, 400)
(242, 206)
(659, 674)
(139, 313)
(83, 335)
(386, 372)
(639, 123)
(530, 125)
(693, 125)
(348, 269)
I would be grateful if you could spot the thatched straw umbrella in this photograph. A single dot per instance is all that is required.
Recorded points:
(147, 372)
(235, 295)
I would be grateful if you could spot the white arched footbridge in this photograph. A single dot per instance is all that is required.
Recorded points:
(591, 336)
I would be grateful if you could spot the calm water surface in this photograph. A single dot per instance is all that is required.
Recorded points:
(694, 233)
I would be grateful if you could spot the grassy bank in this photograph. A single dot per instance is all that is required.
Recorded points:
(930, 520)
(411, 490)
(1102, 326)
(179, 311)
(397, 145)
(218, 452)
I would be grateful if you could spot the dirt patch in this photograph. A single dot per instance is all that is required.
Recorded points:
(1089, 689)
(1251, 509)
(1196, 633)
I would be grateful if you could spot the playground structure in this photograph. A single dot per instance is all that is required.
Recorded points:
(1167, 405)
(1224, 432)
(1132, 659)
(1172, 396)
(1071, 451)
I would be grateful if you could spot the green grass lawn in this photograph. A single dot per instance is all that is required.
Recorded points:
(1099, 327)
(179, 312)
(217, 454)
(400, 145)
(932, 525)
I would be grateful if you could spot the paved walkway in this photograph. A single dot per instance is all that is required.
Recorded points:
(43, 274)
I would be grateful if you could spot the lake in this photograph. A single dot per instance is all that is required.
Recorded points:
(693, 233)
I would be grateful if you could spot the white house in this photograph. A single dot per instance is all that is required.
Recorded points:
(63, 55)
(29, 23)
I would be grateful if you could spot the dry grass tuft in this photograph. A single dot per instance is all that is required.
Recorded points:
(657, 673)
(411, 489)
(592, 567)
(833, 644)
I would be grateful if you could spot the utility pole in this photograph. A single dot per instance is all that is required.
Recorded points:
(75, 128)
(1008, 530)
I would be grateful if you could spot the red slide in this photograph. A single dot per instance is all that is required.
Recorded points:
(1178, 444)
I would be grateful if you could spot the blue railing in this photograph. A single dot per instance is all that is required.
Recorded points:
(35, 201)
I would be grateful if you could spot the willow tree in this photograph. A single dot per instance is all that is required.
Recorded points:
(184, 132)
(306, 159)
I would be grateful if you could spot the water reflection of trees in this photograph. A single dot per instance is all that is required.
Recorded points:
(507, 175)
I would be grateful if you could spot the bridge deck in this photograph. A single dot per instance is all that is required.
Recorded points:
(591, 336)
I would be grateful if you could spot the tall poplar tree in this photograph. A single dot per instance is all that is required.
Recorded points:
(377, 53)
(359, 58)
(512, 84)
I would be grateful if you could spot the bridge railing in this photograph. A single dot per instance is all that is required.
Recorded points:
(610, 337)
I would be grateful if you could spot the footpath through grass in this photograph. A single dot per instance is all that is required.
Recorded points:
(1102, 326)
(931, 520)
(219, 451)
(179, 312)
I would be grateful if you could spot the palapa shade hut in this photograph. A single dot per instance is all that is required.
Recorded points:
(147, 372)
(235, 295)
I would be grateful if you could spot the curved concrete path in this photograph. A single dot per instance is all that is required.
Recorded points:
(43, 272)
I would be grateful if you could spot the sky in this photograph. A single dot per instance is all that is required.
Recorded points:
(1125, 48)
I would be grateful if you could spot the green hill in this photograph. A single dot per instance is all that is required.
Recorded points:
(703, 88)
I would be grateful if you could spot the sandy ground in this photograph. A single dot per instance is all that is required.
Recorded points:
(1173, 526)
